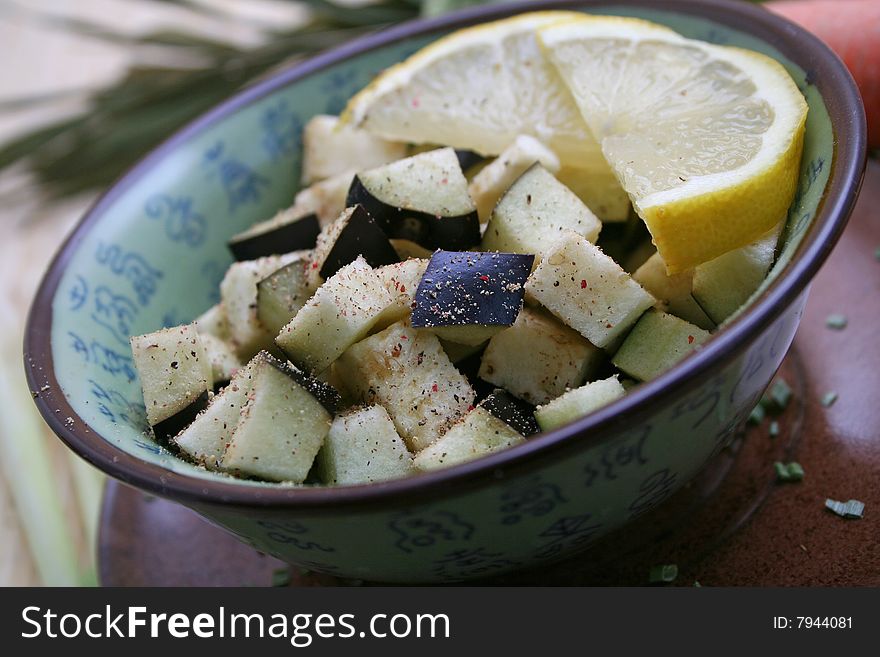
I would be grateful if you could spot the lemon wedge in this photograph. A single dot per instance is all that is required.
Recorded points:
(478, 89)
(705, 139)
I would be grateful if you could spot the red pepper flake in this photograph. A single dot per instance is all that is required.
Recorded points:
(690, 339)
(415, 102)
(314, 265)
(434, 388)
(583, 284)
(484, 278)
(404, 337)
(395, 351)
(444, 181)
(402, 287)
(609, 325)
(471, 407)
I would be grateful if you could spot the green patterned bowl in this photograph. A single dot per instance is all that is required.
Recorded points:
(152, 251)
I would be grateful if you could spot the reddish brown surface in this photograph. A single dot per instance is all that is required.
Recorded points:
(734, 526)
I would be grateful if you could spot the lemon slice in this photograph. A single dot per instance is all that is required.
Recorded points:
(705, 139)
(478, 89)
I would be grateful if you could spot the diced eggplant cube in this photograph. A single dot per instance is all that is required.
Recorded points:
(479, 433)
(723, 285)
(496, 177)
(175, 375)
(423, 198)
(401, 279)
(539, 358)
(515, 412)
(656, 343)
(281, 428)
(353, 234)
(363, 447)
(290, 230)
(331, 148)
(588, 290)
(672, 291)
(224, 361)
(408, 373)
(238, 292)
(340, 313)
(533, 212)
(579, 402)
(468, 296)
(282, 293)
(213, 322)
(326, 199)
(206, 439)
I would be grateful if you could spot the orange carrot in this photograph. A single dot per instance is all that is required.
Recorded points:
(852, 29)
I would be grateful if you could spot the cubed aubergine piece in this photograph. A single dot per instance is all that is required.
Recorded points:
(289, 230)
(468, 296)
(224, 360)
(587, 290)
(343, 311)
(532, 213)
(205, 440)
(477, 434)
(353, 234)
(282, 293)
(238, 295)
(578, 402)
(282, 425)
(423, 198)
(363, 447)
(539, 358)
(175, 374)
(408, 373)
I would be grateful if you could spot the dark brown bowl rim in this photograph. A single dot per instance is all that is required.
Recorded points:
(848, 120)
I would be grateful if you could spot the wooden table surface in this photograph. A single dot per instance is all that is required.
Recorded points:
(734, 526)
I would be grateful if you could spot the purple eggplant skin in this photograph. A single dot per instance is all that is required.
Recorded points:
(467, 288)
(293, 236)
(516, 413)
(362, 236)
(428, 230)
(326, 394)
(171, 426)
(467, 159)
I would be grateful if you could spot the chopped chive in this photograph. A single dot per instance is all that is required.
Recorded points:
(663, 574)
(853, 509)
(778, 397)
(789, 472)
(836, 321)
(781, 393)
(773, 431)
(281, 577)
(829, 398)
(757, 415)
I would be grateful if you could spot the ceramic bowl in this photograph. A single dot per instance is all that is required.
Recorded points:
(152, 251)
